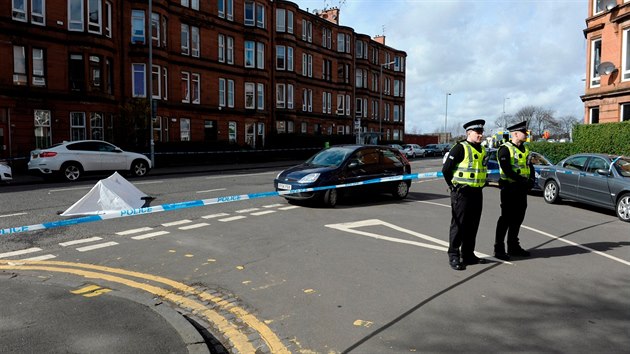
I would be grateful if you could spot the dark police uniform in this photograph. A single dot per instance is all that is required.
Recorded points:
(465, 172)
(517, 177)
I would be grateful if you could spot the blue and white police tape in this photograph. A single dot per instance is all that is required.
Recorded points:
(204, 202)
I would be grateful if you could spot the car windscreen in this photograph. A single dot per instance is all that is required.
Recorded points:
(622, 165)
(332, 157)
(538, 159)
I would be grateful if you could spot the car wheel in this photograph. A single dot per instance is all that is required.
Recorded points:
(623, 207)
(401, 190)
(330, 198)
(551, 192)
(424, 154)
(71, 171)
(139, 168)
(413, 156)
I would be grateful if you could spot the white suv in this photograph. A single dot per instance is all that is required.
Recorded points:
(71, 159)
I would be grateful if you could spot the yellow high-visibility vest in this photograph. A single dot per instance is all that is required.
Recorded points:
(518, 161)
(471, 171)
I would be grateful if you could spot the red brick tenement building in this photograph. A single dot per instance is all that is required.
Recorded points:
(222, 71)
(607, 92)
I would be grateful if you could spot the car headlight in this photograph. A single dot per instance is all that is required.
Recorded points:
(310, 178)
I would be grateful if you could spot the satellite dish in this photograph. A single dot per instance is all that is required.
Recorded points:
(606, 68)
(608, 4)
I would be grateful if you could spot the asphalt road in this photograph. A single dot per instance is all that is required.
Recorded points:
(370, 276)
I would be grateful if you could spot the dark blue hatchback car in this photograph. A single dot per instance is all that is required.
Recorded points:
(346, 164)
(539, 161)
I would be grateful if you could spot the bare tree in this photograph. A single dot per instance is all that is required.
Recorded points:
(567, 123)
(539, 119)
(503, 121)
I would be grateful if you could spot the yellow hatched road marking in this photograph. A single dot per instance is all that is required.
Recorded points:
(97, 292)
(86, 289)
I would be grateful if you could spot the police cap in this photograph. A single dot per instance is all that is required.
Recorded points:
(475, 124)
(519, 127)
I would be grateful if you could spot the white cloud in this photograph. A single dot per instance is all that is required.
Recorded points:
(532, 52)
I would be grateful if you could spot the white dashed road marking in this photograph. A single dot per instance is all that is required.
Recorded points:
(263, 212)
(175, 223)
(10, 215)
(134, 231)
(149, 235)
(289, 207)
(211, 190)
(40, 258)
(247, 210)
(20, 252)
(232, 218)
(94, 247)
(193, 226)
(77, 242)
(273, 205)
(215, 216)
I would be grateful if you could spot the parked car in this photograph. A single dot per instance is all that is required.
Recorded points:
(437, 149)
(5, 172)
(72, 159)
(539, 161)
(398, 147)
(595, 179)
(414, 150)
(346, 164)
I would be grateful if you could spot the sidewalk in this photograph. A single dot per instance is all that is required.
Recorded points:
(26, 179)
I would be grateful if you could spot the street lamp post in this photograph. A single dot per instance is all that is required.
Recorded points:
(446, 117)
(380, 102)
(504, 119)
(150, 90)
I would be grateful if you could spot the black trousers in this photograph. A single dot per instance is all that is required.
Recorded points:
(466, 205)
(513, 207)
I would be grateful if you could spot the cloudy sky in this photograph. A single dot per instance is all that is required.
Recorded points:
(485, 53)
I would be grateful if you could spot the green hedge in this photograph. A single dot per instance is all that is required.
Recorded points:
(608, 138)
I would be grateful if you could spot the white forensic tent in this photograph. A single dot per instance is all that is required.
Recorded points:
(114, 193)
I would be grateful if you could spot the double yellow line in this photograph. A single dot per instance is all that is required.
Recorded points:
(179, 294)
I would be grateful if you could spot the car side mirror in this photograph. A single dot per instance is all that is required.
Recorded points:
(603, 172)
(353, 164)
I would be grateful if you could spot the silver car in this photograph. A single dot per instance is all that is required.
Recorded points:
(414, 150)
(595, 179)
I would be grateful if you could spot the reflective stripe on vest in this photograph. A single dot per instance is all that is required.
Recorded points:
(471, 170)
(518, 161)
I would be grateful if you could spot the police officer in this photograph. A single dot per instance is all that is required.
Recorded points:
(517, 178)
(465, 173)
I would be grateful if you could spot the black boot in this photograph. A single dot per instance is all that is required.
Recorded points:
(456, 264)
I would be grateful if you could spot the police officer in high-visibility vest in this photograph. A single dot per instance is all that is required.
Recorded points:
(465, 173)
(517, 178)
